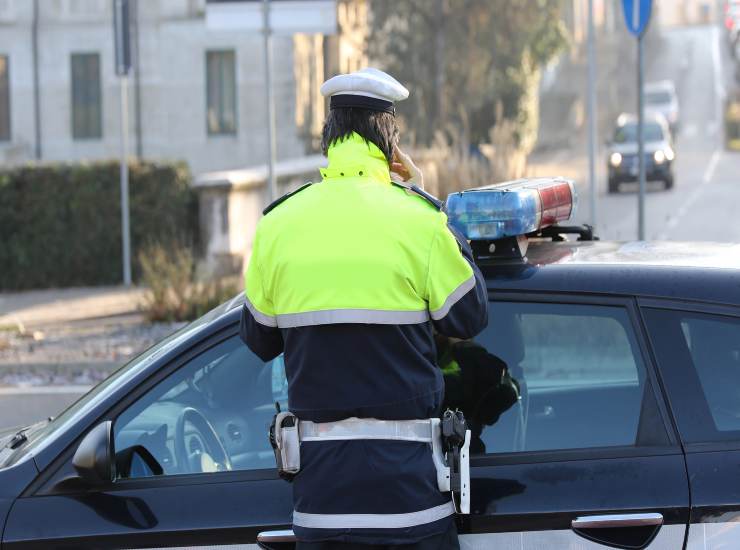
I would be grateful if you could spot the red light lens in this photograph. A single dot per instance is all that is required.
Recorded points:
(557, 203)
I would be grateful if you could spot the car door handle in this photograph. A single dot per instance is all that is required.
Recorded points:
(276, 540)
(617, 520)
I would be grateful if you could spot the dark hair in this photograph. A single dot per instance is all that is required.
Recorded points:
(377, 127)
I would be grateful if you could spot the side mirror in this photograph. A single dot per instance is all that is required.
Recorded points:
(94, 459)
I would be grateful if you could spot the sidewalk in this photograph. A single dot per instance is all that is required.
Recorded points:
(72, 336)
(37, 308)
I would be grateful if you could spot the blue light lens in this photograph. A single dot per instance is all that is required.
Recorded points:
(509, 209)
(493, 214)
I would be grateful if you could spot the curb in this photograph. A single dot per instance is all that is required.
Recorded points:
(61, 366)
(45, 390)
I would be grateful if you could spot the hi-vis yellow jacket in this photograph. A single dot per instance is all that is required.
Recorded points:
(349, 277)
(355, 249)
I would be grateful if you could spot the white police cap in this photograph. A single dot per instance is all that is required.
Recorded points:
(367, 89)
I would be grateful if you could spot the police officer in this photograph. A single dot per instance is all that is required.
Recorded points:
(348, 277)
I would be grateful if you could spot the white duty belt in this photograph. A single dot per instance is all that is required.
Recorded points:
(289, 436)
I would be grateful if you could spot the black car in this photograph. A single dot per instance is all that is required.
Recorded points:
(626, 433)
(622, 152)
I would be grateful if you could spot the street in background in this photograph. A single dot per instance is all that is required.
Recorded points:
(216, 75)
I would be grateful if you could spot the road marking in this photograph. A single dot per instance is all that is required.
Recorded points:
(674, 220)
(46, 390)
(711, 167)
(719, 87)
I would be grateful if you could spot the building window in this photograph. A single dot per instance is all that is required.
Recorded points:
(4, 99)
(87, 109)
(221, 92)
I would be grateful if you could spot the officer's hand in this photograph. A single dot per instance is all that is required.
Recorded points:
(404, 168)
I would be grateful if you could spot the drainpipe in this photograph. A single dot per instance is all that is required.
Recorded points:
(36, 87)
(137, 81)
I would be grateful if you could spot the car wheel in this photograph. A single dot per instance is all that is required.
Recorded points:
(668, 183)
(613, 186)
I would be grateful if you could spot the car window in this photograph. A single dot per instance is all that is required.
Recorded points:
(700, 356)
(628, 133)
(574, 380)
(211, 415)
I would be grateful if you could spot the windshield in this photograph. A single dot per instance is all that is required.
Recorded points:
(657, 98)
(628, 133)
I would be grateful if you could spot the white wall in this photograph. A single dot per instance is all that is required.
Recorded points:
(174, 96)
(15, 42)
(173, 42)
(687, 12)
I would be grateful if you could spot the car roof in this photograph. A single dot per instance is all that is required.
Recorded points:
(685, 271)
(705, 272)
(660, 86)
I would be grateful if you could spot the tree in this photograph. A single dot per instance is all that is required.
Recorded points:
(462, 58)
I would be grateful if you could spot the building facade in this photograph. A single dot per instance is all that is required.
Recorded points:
(195, 94)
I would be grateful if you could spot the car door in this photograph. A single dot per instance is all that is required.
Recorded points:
(189, 417)
(586, 457)
(698, 351)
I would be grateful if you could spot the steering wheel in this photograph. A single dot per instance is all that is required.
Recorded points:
(209, 455)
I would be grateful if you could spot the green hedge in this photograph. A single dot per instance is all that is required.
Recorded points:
(60, 224)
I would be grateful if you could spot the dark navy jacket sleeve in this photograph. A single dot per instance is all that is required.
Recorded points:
(469, 314)
(266, 342)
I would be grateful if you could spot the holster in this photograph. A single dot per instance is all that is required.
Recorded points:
(455, 446)
(286, 444)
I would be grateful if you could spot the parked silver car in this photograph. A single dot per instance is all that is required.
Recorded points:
(661, 98)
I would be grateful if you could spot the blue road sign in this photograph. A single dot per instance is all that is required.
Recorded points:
(637, 15)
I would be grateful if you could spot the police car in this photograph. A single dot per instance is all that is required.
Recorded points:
(624, 431)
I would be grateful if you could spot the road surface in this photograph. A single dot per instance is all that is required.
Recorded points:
(703, 204)
(22, 406)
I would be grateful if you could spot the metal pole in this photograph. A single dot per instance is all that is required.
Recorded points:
(640, 139)
(125, 226)
(36, 85)
(593, 184)
(271, 145)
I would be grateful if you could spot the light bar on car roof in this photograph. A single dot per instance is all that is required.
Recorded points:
(511, 209)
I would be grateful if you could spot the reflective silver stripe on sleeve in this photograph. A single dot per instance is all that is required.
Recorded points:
(372, 521)
(260, 317)
(453, 298)
(356, 316)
